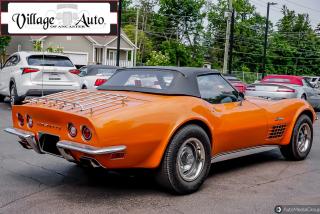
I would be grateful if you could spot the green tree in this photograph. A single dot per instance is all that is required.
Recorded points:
(146, 45)
(294, 49)
(37, 45)
(183, 21)
(248, 34)
(158, 59)
(4, 42)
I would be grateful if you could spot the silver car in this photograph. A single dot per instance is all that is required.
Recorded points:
(92, 76)
(285, 87)
(313, 80)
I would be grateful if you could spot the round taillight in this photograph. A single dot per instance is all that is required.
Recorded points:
(29, 121)
(20, 119)
(86, 133)
(72, 130)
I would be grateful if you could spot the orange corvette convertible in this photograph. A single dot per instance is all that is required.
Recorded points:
(176, 121)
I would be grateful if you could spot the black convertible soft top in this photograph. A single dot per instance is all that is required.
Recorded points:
(185, 82)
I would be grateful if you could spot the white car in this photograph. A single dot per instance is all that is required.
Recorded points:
(36, 74)
(92, 76)
(313, 80)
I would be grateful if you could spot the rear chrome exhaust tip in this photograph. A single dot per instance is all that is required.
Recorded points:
(91, 162)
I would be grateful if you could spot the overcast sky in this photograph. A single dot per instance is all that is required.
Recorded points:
(312, 7)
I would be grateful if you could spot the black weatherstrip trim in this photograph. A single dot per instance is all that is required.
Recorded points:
(4, 6)
(113, 29)
(4, 29)
(113, 7)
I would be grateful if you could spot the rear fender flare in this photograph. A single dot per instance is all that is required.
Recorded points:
(155, 158)
(287, 138)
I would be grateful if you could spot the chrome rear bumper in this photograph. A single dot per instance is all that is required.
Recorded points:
(90, 150)
(25, 137)
(63, 146)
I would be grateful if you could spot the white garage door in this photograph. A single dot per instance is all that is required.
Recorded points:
(78, 58)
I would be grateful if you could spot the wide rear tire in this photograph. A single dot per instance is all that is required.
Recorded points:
(301, 140)
(186, 161)
(14, 98)
(2, 98)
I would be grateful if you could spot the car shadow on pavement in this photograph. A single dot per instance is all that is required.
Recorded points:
(94, 187)
(246, 161)
(142, 182)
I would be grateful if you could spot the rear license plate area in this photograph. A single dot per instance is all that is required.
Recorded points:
(54, 77)
(48, 143)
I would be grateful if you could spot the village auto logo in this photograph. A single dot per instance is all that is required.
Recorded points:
(59, 18)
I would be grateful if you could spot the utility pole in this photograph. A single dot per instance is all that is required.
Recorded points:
(119, 31)
(231, 42)
(136, 39)
(227, 43)
(266, 40)
(177, 37)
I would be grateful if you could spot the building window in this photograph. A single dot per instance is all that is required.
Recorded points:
(69, 38)
(112, 55)
(99, 52)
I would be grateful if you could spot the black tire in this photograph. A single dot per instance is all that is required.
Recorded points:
(168, 174)
(14, 98)
(292, 150)
(84, 87)
(2, 98)
(304, 97)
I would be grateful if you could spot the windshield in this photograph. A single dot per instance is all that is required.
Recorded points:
(49, 60)
(136, 79)
(101, 71)
(232, 79)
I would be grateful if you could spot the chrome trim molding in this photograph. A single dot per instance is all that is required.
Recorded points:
(19, 132)
(90, 150)
(27, 136)
(242, 153)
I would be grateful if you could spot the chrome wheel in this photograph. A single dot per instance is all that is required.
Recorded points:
(190, 159)
(304, 137)
(12, 95)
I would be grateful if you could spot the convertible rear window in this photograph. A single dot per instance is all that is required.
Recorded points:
(144, 78)
(49, 60)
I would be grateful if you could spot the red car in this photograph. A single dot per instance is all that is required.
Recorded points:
(237, 83)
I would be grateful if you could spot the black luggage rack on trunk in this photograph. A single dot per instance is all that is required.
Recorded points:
(78, 101)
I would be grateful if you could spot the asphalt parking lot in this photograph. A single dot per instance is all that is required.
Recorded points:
(32, 183)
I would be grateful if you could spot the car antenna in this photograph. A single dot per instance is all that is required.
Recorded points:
(42, 72)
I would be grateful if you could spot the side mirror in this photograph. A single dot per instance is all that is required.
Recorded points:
(241, 94)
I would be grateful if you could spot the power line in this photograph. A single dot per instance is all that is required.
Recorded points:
(300, 5)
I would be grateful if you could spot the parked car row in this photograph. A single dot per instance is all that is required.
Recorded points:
(35, 74)
(277, 87)
(285, 86)
(237, 83)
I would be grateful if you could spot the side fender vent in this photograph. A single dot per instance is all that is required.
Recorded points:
(277, 131)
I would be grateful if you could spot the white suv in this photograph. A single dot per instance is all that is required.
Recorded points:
(35, 74)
